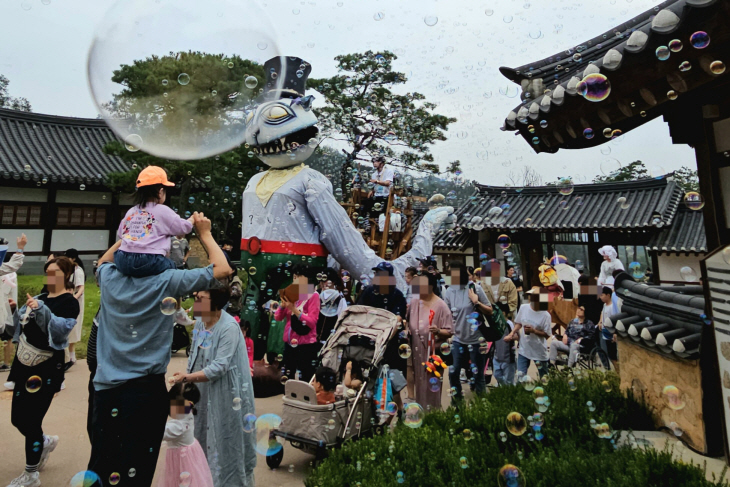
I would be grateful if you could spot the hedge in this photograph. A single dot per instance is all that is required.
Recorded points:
(570, 454)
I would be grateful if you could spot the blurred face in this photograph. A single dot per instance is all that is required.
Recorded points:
(54, 278)
(510, 272)
(177, 408)
(455, 276)
(202, 306)
(420, 285)
(409, 278)
(605, 298)
(304, 286)
(378, 165)
(607, 258)
(580, 313)
(382, 278)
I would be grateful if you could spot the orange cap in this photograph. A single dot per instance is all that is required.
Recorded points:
(151, 175)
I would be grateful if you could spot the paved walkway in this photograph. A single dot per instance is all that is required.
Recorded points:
(67, 419)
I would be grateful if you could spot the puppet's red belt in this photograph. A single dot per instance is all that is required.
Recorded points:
(255, 245)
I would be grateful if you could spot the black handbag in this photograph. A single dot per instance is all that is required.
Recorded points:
(298, 326)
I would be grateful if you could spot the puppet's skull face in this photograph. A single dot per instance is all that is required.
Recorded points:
(282, 132)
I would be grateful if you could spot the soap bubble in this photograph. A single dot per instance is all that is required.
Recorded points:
(467, 435)
(404, 351)
(511, 476)
(594, 87)
(179, 120)
(685, 66)
(236, 403)
(623, 203)
(717, 67)
(33, 384)
(86, 478)
(565, 186)
(607, 386)
(699, 40)
(391, 408)
(445, 348)
(694, 201)
(538, 419)
(434, 385)
(205, 338)
(252, 270)
(133, 143)
(610, 166)
(413, 415)
(266, 443)
(504, 241)
(673, 397)
(115, 412)
(675, 45)
(588, 133)
(662, 53)
(572, 384)
(249, 423)
(168, 306)
(293, 343)
(688, 274)
(516, 424)
(603, 430)
(591, 406)
(528, 383)
(430, 20)
(114, 478)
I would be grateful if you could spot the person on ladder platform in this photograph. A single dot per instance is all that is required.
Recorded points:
(382, 180)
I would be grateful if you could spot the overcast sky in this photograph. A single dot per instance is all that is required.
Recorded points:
(44, 46)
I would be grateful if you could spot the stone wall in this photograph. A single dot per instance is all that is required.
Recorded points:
(647, 373)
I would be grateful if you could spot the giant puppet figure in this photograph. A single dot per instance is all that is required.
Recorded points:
(290, 214)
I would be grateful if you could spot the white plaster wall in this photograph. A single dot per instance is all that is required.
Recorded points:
(35, 238)
(23, 194)
(669, 266)
(82, 240)
(84, 197)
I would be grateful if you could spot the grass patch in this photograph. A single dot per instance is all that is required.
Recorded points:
(33, 284)
(570, 453)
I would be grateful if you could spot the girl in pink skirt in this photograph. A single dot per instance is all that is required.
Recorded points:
(185, 463)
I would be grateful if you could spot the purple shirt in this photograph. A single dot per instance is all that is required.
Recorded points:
(148, 230)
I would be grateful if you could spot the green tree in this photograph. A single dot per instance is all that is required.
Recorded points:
(213, 185)
(631, 172)
(7, 101)
(687, 179)
(362, 110)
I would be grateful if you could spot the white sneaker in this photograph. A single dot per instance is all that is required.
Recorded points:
(49, 444)
(27, 479)
(9, 385)
(63, 385)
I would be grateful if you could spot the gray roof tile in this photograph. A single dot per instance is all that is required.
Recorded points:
(686, 234)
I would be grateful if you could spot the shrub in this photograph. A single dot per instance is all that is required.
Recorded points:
(570, 453)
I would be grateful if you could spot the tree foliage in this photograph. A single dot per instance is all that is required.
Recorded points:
(213, 185)
(12, 102)
(686, 178)
(363, 111)
(527, 176)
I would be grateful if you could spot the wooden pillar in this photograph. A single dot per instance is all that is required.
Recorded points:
(50, 220)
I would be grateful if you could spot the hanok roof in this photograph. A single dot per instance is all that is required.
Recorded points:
(686, 234)
(642, 64)
(34, 147)
(668, 319)
(652, 204)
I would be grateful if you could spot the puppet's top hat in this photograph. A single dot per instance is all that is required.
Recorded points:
(295, 72)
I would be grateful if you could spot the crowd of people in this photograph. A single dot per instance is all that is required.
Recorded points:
(201, 413)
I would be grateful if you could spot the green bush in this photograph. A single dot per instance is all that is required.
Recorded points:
(570, 454)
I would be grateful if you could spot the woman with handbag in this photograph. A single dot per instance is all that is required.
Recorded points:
(429, 324)
(300, 332)
(41, 329)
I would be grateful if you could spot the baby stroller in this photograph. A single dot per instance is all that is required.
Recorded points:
(361, 334)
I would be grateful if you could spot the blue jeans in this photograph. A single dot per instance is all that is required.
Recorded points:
(523, 363)
(141, 265)
(462, 356)
(504, 372)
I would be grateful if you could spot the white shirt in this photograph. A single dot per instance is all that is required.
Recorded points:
(385, 174)
(532, 346)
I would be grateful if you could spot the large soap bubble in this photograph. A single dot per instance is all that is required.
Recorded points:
(175, 75)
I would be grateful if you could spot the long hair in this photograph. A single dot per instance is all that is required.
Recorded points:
(147, 194)
(67, 267)
(73, 254)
